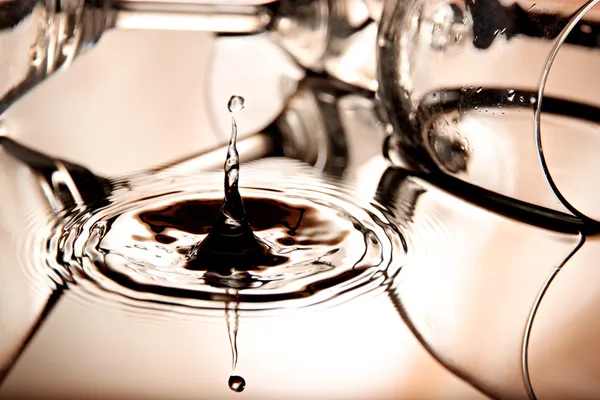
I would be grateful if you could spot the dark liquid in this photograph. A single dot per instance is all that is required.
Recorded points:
(303, 226)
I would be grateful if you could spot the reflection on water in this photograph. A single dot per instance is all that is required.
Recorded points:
(420, 262)
(469, 276)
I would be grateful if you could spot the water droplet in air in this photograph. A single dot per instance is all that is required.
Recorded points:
(479, 89)
(532, 6)
(236, 103)
(237, 383)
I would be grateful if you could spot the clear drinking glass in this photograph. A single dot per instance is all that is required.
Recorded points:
(497, 102)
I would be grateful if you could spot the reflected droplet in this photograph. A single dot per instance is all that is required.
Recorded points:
(511, 95)
(236, 103)
(237, 383)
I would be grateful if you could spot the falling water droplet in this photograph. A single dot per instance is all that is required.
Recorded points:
(237, 383)
(532, 6)
(236, 103)
(479, 89)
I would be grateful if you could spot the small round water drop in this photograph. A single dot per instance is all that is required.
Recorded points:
(237, 383)
(236, 103)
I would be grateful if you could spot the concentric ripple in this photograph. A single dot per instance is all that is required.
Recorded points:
(331, 247)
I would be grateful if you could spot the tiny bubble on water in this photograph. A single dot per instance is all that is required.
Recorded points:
(237, 383)
(236, 103)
